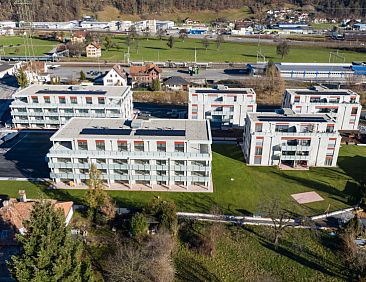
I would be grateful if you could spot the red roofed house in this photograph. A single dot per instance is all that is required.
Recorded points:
(93, 50)
(144, 75)
(78, 37)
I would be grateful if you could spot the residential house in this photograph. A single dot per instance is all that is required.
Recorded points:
(93, 50)
(176, 83)
(78, 37)
(117, 76)
(144, 75)
(36, 72)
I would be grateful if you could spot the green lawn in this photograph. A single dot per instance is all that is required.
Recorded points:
(157, 50)
(248, 189)
(248, 255)
(40, 46)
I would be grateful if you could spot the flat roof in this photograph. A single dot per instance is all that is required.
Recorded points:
(242, 91)
(119, 128)
(321, 91)
(314, 68)
(275, 117)
(112, 91)
(4, 66)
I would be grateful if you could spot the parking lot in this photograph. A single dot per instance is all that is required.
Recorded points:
(24, 156)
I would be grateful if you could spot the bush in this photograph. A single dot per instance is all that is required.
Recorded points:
(139, 226)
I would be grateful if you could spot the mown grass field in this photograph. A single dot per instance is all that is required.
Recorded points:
(154, 49)
(40, 46)
(240, 189)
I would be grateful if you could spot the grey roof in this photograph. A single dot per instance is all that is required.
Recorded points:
(277, 117)
(119, 128)
(111, 91)
(223, 90)
(314, 68)
(321, 92)
(5, 66)
(175, 80)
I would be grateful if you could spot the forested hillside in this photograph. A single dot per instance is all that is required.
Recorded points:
(61, 10)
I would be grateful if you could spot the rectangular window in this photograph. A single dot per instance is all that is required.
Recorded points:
(82, 145)
(100, 161)
(161, 146)
(258, 151)
(161, 172)
(122, 146)
(89, 100)
(35, 99)
(73, 100)
(47, 99)
(100, 145)
(120, 161)
(179, 173)
(64, 160)
(257, 161)
(281, 128)
(179, 146)
(328, 161)
(101, 100)
(142, 162)
(258, 127)
(62, 100)
(198, 163)
(330, 128)
(297, 99)
(82, 161)
(121, 171)
(160, 162)
(139, 146)
(354, 111)
(142, 172)
(179, 162)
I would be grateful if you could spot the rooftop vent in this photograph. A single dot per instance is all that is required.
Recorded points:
(222, 87)
(136, 123)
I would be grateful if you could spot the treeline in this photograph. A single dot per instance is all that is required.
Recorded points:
(63, 10)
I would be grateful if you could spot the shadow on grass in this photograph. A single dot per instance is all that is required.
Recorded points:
(255, 56)
(354, 167)
(231, 151)
(155, 48)
(193, 270)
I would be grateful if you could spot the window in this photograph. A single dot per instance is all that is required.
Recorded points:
(23, 99)
(257, 161)
(281, 128)
(142, 162)
(35, 99)
(142, 172)
(161, 172)
(89, 100)
(82, 145)
(297, 99)
(354, 111)
(122, 146)
(258, 151)
(328, 161)
(121, 171)
(161, 146)
(160, 162)
(62, 100)
(101, 100)
(179, 183)
(83, 111)
(259, 142)
(199, 163)
(179, 162)
(100, 145)
(199, 173)
(47, 99)
(73, 100)
(100, 161)
(179, 146)
(64, 160)
(258, 127)
(330, 128)
(139, 146)
(83, 161)
(70, 111)
(120, 161)
(179, 173)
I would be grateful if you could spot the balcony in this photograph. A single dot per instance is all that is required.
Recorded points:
(294, 158)
(295, 147)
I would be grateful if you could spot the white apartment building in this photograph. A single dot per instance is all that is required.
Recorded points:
(225, 107)
(155, 154)
(290, 140)
(342, 105)
(50, 106)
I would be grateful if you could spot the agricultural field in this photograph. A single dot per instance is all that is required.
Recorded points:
(15, 45)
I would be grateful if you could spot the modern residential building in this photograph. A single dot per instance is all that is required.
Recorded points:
(225, 107)
(290, 140)
(341, 104)
(50, 106)
(93, 50)
(155, 154)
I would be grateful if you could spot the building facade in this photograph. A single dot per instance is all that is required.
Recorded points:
(50, 106)
(93, 50)
(225, 107)
(342, 105)
(145, 75)
(290, 140)
(117, 76)
(156, 154)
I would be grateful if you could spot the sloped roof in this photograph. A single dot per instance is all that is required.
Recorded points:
(176, 80)
(140, 70)
(119, 70)
(95, 44)
(36, 66)
(17, 212)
